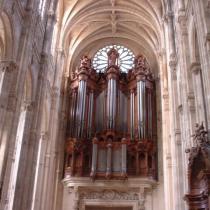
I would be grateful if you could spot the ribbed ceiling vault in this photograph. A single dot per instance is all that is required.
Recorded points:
(88, 25)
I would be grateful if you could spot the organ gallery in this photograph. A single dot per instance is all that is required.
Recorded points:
(111, 132)
(98, 105)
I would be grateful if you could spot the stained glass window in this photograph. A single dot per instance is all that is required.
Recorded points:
(125, 60)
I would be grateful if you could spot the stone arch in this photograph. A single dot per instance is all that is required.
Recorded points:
(6, 37)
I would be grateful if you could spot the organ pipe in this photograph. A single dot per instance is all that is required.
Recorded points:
(81, 107)
(124, 157)
(141, 108)
(72, 112)
(109, 159)
(94, 157)
(132, 114)
(90, 114)
(108, 104)
(150, 118)
(111, 103)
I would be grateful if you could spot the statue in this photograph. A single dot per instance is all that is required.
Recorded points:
(113, 55)
(85, 62)
(200, 137)
(140, 61)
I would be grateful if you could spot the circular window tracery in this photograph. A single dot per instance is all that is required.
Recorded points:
(125, 60)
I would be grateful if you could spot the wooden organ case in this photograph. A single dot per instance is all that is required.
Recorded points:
(111, 130)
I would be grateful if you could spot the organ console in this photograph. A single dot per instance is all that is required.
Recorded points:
(111, 130)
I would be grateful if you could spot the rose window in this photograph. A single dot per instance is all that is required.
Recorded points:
(125, 60)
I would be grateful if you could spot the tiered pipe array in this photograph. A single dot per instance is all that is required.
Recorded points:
(112, 121)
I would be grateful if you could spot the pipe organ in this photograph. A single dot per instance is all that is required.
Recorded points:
(111, 130)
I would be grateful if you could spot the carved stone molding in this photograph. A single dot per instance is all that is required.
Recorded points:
(12, 101)
(110, 195)
(27, 106)
(173, 64)
(134, 197)
(191, 101)
(44, 136)
(166, 101)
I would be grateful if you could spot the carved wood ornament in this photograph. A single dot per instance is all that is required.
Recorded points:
(111, 130)
(199, 171)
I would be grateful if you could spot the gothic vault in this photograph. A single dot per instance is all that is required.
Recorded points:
(98, 104)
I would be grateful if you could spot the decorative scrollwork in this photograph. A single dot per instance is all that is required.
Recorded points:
(109, 195)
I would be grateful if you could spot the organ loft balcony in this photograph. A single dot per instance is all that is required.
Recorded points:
(111, 131)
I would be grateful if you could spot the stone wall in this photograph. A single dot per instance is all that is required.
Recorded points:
(40, 44)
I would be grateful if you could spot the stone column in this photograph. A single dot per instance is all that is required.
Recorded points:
(169, 19)
(17, 153)
(199, 94)
(202, 22)
(6, 70)
(39, 170)
(141, 199)
(176, 145)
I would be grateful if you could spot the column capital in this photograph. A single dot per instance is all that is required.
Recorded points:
(44, 135)
(168, 16)
(27, 106)
(55, 92)
(51, 14)
(195, 67)
(173, 65)
(8, 66)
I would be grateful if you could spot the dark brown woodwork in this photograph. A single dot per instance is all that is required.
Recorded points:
(199, 171)
(141, 153)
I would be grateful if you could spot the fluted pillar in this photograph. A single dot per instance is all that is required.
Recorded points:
(6, 70)
(39, 170)
(15, 155)
(171, 37)
(199, 94)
